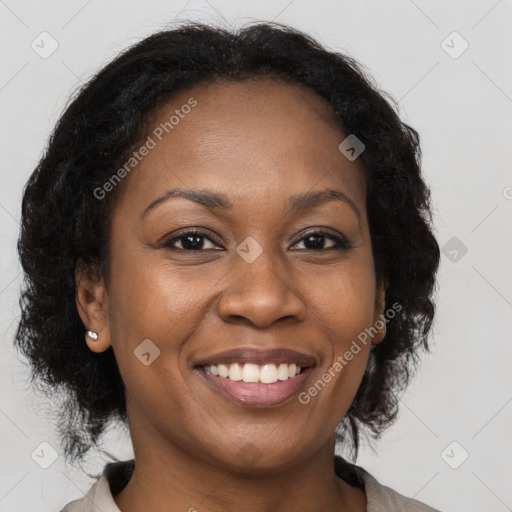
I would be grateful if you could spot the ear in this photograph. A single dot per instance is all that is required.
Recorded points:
(378, 320)
(92, 305)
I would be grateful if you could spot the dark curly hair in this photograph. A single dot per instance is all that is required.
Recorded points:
(64, 224)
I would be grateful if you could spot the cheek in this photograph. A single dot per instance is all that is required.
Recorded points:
(152, 312)
(346, 310)
(154, 299)
(154, 308)
(345, 304)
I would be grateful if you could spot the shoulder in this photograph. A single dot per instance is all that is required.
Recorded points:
(379, 497)
(384, 499)
(99, 497)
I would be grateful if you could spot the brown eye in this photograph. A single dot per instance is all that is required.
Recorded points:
(316, 239)
(192, 240)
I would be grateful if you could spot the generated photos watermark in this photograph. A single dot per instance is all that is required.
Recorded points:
(343, 359)
(151, 142)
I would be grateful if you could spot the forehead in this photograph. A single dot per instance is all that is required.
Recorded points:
(253, 140)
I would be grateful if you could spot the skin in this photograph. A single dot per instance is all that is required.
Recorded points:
(258, 142)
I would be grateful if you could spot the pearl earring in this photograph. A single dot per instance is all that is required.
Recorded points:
(93, 335)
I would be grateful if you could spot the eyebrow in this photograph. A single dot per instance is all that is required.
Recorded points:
(219, 201)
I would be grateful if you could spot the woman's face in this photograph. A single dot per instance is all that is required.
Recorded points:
(256, 279)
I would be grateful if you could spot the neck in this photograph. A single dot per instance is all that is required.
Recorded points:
(167, 477)
(175, 475)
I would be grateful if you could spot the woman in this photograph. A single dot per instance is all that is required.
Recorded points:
(228, 247)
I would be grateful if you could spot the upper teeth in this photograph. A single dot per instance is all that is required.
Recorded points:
(266, 373)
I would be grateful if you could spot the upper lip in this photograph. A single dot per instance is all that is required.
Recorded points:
(258, 356)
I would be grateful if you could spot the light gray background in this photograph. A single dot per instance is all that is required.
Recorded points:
(462, 108)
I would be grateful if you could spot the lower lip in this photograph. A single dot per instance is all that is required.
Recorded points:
(256, 394)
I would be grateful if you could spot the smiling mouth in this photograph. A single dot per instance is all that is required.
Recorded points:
(248, 384)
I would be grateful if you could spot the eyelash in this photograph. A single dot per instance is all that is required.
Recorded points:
(340, 243)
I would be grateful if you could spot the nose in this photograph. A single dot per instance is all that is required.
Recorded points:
(261, 294)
